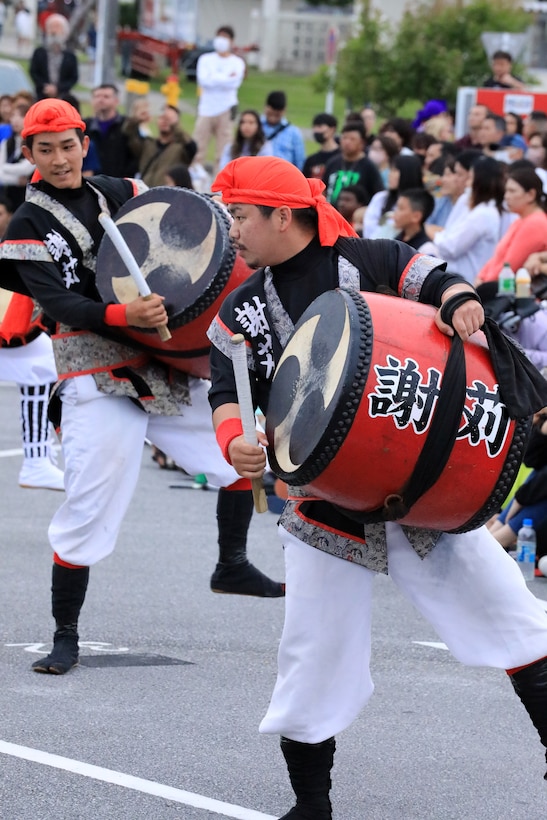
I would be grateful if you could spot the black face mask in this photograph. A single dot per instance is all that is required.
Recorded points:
(319, 137)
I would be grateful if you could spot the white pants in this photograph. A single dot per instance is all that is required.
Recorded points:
(31, 365)
(102, 441)
(468, 588)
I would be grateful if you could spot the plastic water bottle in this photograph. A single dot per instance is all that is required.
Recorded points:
(523, 284)
(526, 549)
(506, 281)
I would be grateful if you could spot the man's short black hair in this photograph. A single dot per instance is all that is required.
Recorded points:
(420, 200)
(353, 125)
(226, 30)
(358, 192)
(325, 119)
(277, 100)
(502, 55)
(111, 86)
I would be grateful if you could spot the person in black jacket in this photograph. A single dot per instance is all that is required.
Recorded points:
(53, 67)
(107, 130)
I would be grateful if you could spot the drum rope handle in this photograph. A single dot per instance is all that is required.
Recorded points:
(130, 263)
(246, 409)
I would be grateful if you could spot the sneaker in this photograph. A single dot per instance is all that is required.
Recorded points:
(41, 474)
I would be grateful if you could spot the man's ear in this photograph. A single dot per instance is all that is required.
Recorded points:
(85, 145)
(27, 153)
(285, 217)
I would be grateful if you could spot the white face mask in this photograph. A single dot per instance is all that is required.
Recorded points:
(377, 156)
(535, 154)
(221, 44)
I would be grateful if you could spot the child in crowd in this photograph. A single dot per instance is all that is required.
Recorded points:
(412, 209)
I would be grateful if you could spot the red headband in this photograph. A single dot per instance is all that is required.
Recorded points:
(276, 182)
(51, 115)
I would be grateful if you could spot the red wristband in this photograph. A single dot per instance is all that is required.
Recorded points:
(226, 432)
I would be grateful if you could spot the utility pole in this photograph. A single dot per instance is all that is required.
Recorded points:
(107, 21)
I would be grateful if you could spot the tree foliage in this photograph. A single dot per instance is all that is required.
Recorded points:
(435, 49)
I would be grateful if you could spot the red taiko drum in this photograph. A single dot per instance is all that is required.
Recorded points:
(356, 396)
(180, 241)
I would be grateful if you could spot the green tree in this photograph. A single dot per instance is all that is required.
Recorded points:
(436, 49)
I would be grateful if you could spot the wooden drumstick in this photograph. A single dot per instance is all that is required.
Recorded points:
(243, 386)
(130, 263)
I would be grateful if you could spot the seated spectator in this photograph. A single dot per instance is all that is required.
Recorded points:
(405, 173)
(351, 166)
(441, 127)
(324, 132)
(502, 72)
(458, 184)
(491, 134)
(401, 131)
(422, 142)
(351, 203)
(249, 139)
(286, 139)
(412, 208)
(528, 234)
(381, 152)
(469, 242)
(156, 155)
(475, 117)
(15, 169)
(536, 153)
(448, 193)
(178, 176)
(536, 121)
(514, 147)
(514, 123)
(530, 499)
(6, 105)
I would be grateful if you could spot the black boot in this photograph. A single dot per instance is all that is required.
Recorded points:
(234, 574)
(309, 766)
(68, 588)
(530, 684)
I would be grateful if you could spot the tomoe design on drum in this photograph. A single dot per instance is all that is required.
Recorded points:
(180, 241)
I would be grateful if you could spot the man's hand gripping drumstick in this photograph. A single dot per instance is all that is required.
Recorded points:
(245, 452)
(149, 310)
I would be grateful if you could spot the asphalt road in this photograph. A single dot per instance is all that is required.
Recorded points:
(160, 720)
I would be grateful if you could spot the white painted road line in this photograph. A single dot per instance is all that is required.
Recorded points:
(129, 782)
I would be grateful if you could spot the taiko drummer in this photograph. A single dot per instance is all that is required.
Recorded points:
(112, 397)
(463, 584)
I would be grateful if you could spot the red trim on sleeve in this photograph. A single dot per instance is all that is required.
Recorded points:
(116, 315)
(404, 273)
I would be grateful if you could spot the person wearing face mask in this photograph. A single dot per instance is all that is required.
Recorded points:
(324, 132)
(219, 75)
(53, 67)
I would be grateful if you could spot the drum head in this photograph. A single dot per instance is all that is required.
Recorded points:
(317, 385)
(180, 241)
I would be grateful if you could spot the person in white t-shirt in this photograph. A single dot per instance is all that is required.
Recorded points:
(219, 75)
